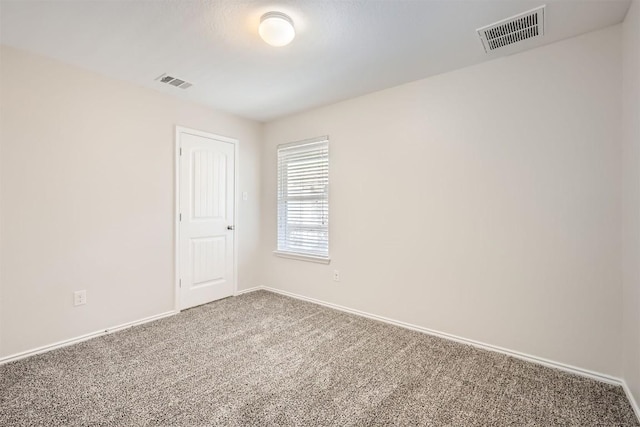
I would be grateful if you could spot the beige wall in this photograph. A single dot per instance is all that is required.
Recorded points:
(483, 203)
(87, 192)
(631, 198)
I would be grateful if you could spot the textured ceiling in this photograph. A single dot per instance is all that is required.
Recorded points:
(342, 49)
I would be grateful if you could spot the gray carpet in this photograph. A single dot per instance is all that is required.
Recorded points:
(265, 359)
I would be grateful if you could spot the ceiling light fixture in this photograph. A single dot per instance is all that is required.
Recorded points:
(276, 29)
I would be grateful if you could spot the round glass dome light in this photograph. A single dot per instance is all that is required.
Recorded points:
(276, 29)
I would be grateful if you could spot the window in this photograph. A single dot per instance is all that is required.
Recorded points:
(303, 200)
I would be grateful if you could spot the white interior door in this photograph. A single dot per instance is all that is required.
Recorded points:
(206, 218)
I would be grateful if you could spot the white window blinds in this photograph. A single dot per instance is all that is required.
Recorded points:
(303, 197)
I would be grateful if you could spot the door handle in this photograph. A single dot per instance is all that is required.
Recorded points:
(230, 227)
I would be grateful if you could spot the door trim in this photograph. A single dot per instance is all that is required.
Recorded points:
(176, 204)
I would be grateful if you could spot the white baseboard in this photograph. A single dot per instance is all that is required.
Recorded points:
(81, 338)
(632, 400)
(534, 359)
(246, 291)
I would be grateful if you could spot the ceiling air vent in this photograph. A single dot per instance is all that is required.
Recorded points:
(174, 81)
(512, 30)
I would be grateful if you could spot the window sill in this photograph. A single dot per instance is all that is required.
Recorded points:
(303, 257)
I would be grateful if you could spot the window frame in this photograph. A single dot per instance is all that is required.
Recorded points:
(293, 254)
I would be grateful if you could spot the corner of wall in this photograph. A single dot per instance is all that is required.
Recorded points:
(630, 224)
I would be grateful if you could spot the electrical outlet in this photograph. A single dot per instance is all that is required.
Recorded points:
(79, 297)
(336, 275)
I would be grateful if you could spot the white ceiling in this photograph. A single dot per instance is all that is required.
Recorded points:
(342, 49)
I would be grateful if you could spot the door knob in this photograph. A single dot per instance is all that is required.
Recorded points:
(230, 227)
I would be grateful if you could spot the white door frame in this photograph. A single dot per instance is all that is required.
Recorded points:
(176, 202)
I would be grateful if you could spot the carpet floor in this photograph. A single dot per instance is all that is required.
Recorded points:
(265, 359)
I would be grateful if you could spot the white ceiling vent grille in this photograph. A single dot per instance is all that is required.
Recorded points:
(174, 81)
(512, 30)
